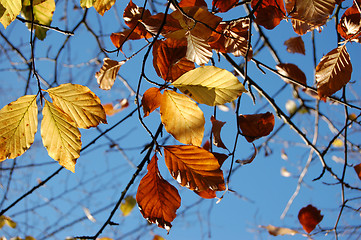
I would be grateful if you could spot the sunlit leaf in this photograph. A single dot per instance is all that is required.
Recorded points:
(198, 49)
(88, 214)
(132, 14)
(191, 3)
(119, 38)
(210, 85)
(108, 73)
(350, 24)
(103, 5)
(30, 238)
(151, 100)
(207, 194)
(268, 13)
(81, 104)
(216, 130)
(224, 5)
(285, 173)
(194, 167)
(358, 170)
(295, 45)
(87, 3)
(309, 217)
(254, 126)
(157, 199)
(127, 206)
(333, 72)
(292, 71)
(60, 136)
(279, 231)
(18, 125)
(9, 9)
(338, 143)
(182, 118)
(5, 220)
(111, 109)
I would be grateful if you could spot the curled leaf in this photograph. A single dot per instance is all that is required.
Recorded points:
(108, 73)
(151, 100)
(254, 126)
(216, 130)
(309, 217)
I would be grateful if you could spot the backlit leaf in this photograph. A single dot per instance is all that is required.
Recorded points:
(292, 71)
(216, 130)
(8, 221)
(127, 206)
(81, 104)
(157, 199)
(86, 3)
(30, 238)
(295, 45)
(103, 5)
(279, 231)
(338, 143)
(198, 49)
(88, 214)
(333, 72)
(358, 170)
(269, 13)
(254, 126)
(119, 38)
(207, 194)
(60, 136)
(210, 85)
(18, 125)
(194, 167)
(309, 217)
(132, 14)
(9, 9)
(182, 118)
(350, 24)
(108, 73)
(111, 109)
(224, 5)
(151, 100)
(191, 3)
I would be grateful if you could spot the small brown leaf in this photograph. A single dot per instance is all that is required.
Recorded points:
(254, 126)
(151, 100)
(292, 71)
(224, 5)
(309, 217)
(216, 130)
(118, 39)
(358, 170)
(157, 199)
(111, 109)
(295, 45)
(269, 13)
(108, 73)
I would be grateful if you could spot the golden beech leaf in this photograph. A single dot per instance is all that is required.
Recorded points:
(8, 221)
(292, 71)
(269, 13)
(60, 136)
(81, 104)
(86, 3)
(279, 231)
(350, 24)
(358, 170)
(216, 130)
(309, 217)
(295, 45)
(108, 73)
(127, 206)
(194, 167)
(254, 126)
(18, 125)
(151, 100)
(333, 72)
(182, 118)
(103, 5)
(9, 9)
(210, 85)
(157, 199)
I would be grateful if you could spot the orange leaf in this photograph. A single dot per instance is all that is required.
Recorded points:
(333, 72)
(118, 39)
(269, 13)
(192, 3)
(207, 194)
(309, 217)
(216, 130)
(292, 71)
(224, 5)
(350, 24)
(254, 126)
(153, 23)
(158, 200)
(132, 14)
(151, 100)
(194, 167)
(358, 170)
(295, 45)
(111, 109)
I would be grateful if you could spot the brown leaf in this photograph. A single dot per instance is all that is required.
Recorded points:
(194, 167)
(157, 199)
(295, 45)
(224, 5)
(248, 161)
(216, 130)
(269, 13)
(350, 24)
(207, 194)
(132, 14)
(151, 100)
(333, 72)
(254, 126)
(309, 217)
(153, 23)
(118, 39)
(292, 71)
(192, 3)
(108, 73)
(358, 170)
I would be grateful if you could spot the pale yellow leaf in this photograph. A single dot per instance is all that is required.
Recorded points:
(86, 3)
(81, 104)
(210, 85)
(103, 5)
(60, 136)
(285, 173)
(9, 9)
(108, 73)
(88, 214)
(279, 231)
(338, 143)
(18, 125)
(182, 118)
(127, 206)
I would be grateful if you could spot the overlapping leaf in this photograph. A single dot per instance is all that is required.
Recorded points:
(60, 136)
(127, 206)
(81, 104)
(292, 71)
(18, 125)
(333, 72)
(9, 9)
(103, 5)
(108, 73)
(309, 217)
(87, 3)
(182, 118)
(194, 167)
(350, 24)
(151, 100)
(210, 85)
(224, 5)
(132, 14)
(254, 126)
(198, 49)
(191, 3)
(268, 13)
(216, 130)
(295, 45)
(157, 199)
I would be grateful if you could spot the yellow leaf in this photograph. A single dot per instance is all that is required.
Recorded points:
(103, 5)
(337, 143)
(8, 221)
(182, 118)
(81, 104)
(157, 237)
(18, 125)
(108, 73)
(127, 206)
(86, 3)
(60, 137)
(9, 9)
(210, 85)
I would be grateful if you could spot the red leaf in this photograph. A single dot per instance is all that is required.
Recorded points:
(192, 3)
(151, 100)
(295, 45)
(358, 170)
(350, 24)
(224, 5)
(255, 126)
(216, 130)
(309, 217)
(269, 13)
(158, 200)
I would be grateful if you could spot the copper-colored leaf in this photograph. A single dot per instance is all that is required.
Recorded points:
(151, 100)
(350, 24)
(194, 167)
(153, 23)
(192, 3)
(118, 39)
(295, 45)
(157, 199)
(216, 130)
(103, 5)
(309, 217)
(132, 14)
(108, 73)
(358, 170)
(248, 161)
(292, 71)
(254, 126)
(269, 13)
(207, 194)
(333, 72)
(224, 5)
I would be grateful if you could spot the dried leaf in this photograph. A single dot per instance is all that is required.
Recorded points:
(198, 49)
(81, 104)
(9, 9)
(103, 5)
(295, 45)
(292, 71)
(216, 130)
(127, 206)
(269, 13)
(60, 136)
(358, 170)
(151, 100)
(210, 85)
(191, 3)
(132, 14)
(224, 5)
(182, 118)
(309, 217)
(254, 126)
(108, 73)
(118, 39)
(333, 72)
(157, 199)
(279, 231)
(194, 167)
(18, 125)
(248, 161)
(350, 24)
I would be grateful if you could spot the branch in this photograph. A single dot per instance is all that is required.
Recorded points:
(46, 26)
